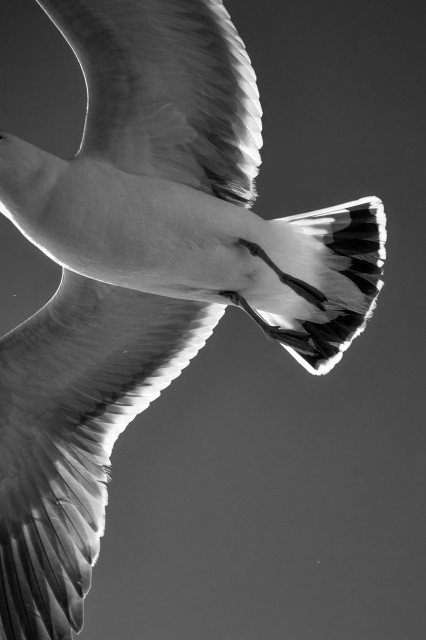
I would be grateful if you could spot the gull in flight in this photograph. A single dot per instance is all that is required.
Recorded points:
(152, 224)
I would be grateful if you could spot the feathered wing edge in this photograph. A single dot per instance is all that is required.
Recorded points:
(72, 377)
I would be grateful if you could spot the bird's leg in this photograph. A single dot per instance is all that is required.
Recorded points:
(290, 338)
(311, 294)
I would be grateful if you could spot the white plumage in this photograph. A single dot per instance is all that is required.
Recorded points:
(157, 201)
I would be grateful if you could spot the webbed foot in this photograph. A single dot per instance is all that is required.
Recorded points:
(289, 337)
(302, 288)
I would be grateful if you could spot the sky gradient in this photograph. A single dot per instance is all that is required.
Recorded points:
(253, 500)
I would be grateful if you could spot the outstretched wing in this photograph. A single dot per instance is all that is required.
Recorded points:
(71, 379)
(171, 91)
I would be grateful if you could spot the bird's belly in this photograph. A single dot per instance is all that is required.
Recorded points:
(164, 238)
(180, 269)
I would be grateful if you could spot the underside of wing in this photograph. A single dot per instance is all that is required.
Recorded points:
(171, 91)
(71, 379)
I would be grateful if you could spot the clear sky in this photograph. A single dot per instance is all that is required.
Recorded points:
(252, 500)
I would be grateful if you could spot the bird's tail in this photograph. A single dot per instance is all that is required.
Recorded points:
(341, 252)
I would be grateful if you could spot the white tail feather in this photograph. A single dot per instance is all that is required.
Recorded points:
(340, 251)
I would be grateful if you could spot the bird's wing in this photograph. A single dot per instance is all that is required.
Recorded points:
(171, 91)
(71, 378)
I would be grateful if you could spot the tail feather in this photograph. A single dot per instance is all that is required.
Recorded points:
(353, 236)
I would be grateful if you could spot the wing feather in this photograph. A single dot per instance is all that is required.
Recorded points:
(72, 377)
(171, 90)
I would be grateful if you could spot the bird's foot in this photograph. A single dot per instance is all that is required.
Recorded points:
(302, 288)
(288, 337)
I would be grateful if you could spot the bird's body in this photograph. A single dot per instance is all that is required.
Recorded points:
(152, 225)
(156, 235)
(145, 233)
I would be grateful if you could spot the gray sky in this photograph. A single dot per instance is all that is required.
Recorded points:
(253, 500)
